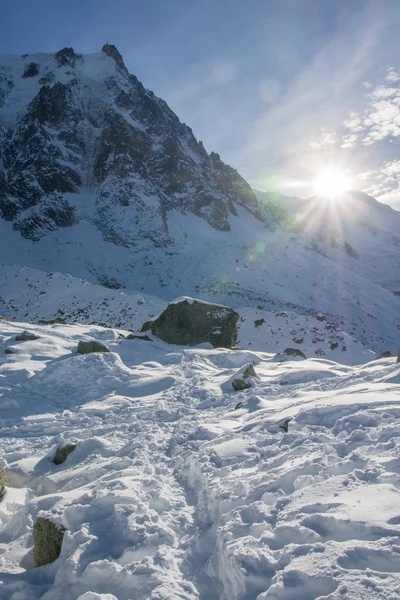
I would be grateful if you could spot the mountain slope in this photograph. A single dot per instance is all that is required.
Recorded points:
(83, 139)
(37, 297)
(100, 180)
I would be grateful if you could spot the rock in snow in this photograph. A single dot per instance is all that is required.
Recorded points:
(26, 336)
(62, 453)
(290, 354)
(191, 322)
(241, 379)
(92, 346)
(174, 494)
(47, 541)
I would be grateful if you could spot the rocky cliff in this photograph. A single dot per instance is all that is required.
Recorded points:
(81, 138)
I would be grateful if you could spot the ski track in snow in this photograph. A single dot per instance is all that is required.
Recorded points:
(173, 494)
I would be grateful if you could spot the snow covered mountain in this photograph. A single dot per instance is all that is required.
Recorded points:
(100, 180)
(175, 485)
(82, 139)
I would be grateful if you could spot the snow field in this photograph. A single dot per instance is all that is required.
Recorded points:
(173, 494)
(32, 295)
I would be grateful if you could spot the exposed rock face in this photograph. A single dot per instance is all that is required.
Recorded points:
(47, 542)
(290, 354)
(133, 336)
(56, 321)
(31, 70)
(91, 129)
(241, 382)
(386, 354)
(190, 322)
(26, 336)
(350, 250)
(398, 356)
(92, 346)
(62, 453)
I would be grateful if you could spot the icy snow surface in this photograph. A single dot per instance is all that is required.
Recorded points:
(173, 494)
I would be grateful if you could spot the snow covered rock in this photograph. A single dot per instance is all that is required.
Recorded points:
(26, 336)
(92, 346)
(290, 354)
(190, 322)
(134, 336)
(62, 453)
(241, 381)
(48, 541)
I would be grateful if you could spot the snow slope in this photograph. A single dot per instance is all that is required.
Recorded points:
(35, 296)
(171, 493)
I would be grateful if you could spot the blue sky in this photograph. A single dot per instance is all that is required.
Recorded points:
(280, 88)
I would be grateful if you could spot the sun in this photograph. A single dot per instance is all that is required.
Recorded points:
(331, 184)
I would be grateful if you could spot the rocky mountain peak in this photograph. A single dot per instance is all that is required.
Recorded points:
(76, 127)
(113, 53)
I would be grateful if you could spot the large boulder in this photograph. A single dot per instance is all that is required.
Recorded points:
(189, 322)
(88, 347)
(26, 336)
(47, 539)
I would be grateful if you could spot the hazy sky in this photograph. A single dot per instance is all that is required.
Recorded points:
(280, 88)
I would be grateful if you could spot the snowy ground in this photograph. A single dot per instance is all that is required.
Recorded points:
(173, 494)
(33, 295)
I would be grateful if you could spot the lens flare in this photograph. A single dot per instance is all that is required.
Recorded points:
(331, 184)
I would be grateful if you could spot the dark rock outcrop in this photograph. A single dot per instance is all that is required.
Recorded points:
(189, 322)
(133, 336)
(112, 51)
(241, 380)
(31, 70)
(66, 57)
(56, 321)
(125, 147)
(386, 354)
(47, 541)
(91, 346)
(26, 336)
(62, 453)
(294, 352)
(290, 354)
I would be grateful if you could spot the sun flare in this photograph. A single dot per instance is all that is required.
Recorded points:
(331, 184)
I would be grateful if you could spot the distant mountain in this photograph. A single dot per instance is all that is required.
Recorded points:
(100, 180)
(288, 203)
